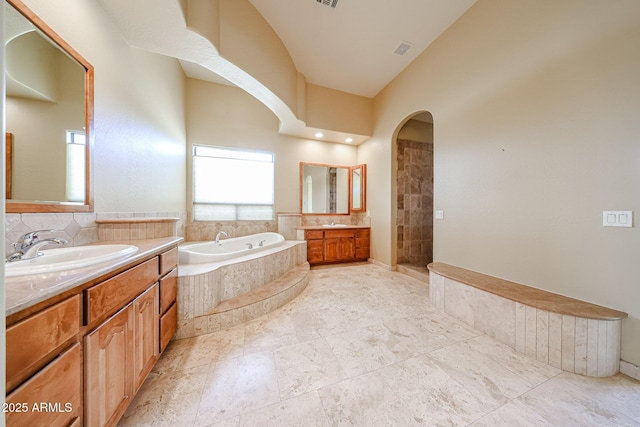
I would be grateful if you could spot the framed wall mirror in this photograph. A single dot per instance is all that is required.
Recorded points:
(49, 117)
(357, 188)
(331, 189)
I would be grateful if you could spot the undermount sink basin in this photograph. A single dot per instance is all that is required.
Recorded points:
(334, 225)
(61, 259)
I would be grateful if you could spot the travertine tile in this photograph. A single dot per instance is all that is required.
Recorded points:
(542, 336)
(436, 290)
(237, 386)
(304, 410)
(367, 349)
(434, 397)
(531, 329)
(568, 343)
(496, 317)
(581, 340)
(434, 370)
(521, 328)
(555, 340)
(483, 377)
(459, 301)
(366, 400)
(306, 367)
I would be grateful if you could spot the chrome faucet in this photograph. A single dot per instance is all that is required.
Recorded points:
(250, 245)
(28, 246)
(222, 233)
(261, 242)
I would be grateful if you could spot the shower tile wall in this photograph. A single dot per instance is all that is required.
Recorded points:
(415, 202)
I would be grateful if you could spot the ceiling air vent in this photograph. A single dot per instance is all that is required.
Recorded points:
(332, 3)
(402, 48)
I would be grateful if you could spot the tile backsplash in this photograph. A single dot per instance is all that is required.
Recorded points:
(83, 228)
(77, 228)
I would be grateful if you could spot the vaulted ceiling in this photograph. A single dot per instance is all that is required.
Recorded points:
(353, 46)
(350, 47)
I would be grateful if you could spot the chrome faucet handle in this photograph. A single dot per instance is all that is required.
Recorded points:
(28, 239)
(261, 242)
(250, 245)
(32, 235)
(34, 250)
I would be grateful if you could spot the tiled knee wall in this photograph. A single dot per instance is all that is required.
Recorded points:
(574, 344)
(199, 294)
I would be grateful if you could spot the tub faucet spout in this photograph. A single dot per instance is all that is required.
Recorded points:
(222, 233)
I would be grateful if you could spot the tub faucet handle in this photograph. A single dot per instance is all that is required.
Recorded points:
(250, 245)
(261, 242)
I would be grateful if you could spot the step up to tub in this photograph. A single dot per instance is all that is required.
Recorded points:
(263, 300)
(245, 307)
(566, 333)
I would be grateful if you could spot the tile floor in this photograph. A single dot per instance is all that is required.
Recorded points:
(362, 346)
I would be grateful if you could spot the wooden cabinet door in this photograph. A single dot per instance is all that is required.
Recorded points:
(315, 251)
(347, 249)
(109, 369)
(332, 249)
(145, 334)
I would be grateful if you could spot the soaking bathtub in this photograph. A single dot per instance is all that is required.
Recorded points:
(205, 252)
(224, 284)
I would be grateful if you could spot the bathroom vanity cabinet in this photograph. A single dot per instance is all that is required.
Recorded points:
(337, 245)
(84, 354)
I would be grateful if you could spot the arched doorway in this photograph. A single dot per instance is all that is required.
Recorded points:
(414, 192)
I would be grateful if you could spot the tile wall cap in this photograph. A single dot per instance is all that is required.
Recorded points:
(527, 295)
(135, 220)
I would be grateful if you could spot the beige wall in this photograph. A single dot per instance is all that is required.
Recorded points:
(535, 107)
(229, 117)
(140, 137)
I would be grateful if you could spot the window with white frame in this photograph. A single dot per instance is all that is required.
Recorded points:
(232, 184)
(76, 155)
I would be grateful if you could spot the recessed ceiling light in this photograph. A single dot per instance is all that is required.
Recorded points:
(319, 135)
(348, 140)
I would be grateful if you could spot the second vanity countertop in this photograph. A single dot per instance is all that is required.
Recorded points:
(25, 291)
(340, 227)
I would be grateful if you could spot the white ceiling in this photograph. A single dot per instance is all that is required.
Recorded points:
(350, 47)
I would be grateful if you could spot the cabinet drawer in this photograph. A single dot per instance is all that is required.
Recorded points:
(362, 233)
(333, 234)
(168, 261)
(30, 343)
(313, 234)
(168, 326)
(113, 294)
(168, 290)
(58, 386)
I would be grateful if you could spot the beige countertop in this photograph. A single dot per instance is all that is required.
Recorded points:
(25, 291)
(320, 227)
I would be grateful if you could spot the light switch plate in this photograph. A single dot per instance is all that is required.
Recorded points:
(617, 218)
(439, 214)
